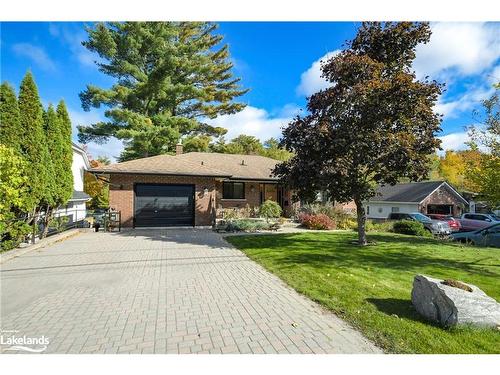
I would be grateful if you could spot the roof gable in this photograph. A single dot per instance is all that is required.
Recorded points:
(413, 192)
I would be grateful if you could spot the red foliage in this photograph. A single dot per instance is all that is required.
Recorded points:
(319, 221)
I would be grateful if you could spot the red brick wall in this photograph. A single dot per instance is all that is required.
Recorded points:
(252, 198)
(443, 196)
(121, 194)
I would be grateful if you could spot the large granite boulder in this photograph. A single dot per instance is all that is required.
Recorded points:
(447, 305)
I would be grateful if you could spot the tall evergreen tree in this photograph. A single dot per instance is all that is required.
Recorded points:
(56, 151)
(34, 146)
(9, 118)
(169, 77)
(33, 141)
(66, 149)
(57, 192)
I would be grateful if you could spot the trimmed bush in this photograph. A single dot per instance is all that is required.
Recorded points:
(413, 228)
(245, 225)
(318, 222)
(270, 209)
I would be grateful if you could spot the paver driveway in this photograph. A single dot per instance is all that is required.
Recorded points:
(162, 291)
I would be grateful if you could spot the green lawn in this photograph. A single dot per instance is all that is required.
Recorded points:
(370, 287)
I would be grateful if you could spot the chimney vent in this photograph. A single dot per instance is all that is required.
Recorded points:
(178, 149)
(243, 162)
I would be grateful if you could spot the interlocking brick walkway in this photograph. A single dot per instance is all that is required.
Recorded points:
(162, 291)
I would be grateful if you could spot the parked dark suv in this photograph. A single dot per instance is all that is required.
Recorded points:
(437, 227)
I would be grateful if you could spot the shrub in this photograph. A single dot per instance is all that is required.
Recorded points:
(239, 213)
(319, 221)
(341, 218)
(245, 225)
(385, 226)
(410, 227)
(59, 223)
(270, 209)
(347, 223)
(372, 226)
(12, 233)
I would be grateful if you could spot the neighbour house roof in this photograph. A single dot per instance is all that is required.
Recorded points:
(413, 192)
(198, 164)
(79, 196)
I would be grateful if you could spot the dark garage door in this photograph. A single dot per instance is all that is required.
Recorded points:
(163, 205)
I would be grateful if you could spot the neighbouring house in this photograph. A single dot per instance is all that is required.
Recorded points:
(428, 197)
(477, 205)
(75, 209)
(190, 189)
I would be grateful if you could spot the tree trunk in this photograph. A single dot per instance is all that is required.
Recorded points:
(361, 216)
(46, 219)
(33, 225)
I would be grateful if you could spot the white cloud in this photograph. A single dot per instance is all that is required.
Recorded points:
(111, 149)
(458, 49)
(466, 102)
(454, 141)
(494, 75)
(289, 110)
(252, 121)
(36, 54)
(73, 37)
(311, 80)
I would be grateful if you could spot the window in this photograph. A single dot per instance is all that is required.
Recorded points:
(380, 210)
(368, 210)
(394, 209)
(233, 190)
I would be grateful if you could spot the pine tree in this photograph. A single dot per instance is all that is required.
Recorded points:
(65, 171)
(169, 77)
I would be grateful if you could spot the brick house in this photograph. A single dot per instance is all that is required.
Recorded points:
(190, 188)
(428, 197)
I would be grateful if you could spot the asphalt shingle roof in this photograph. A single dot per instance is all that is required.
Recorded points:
(237, 166)
(199, 164)
(79, 196)
(410, 192)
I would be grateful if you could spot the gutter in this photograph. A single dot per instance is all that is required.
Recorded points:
(157, 173)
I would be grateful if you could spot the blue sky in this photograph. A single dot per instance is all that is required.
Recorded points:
(278, 61)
